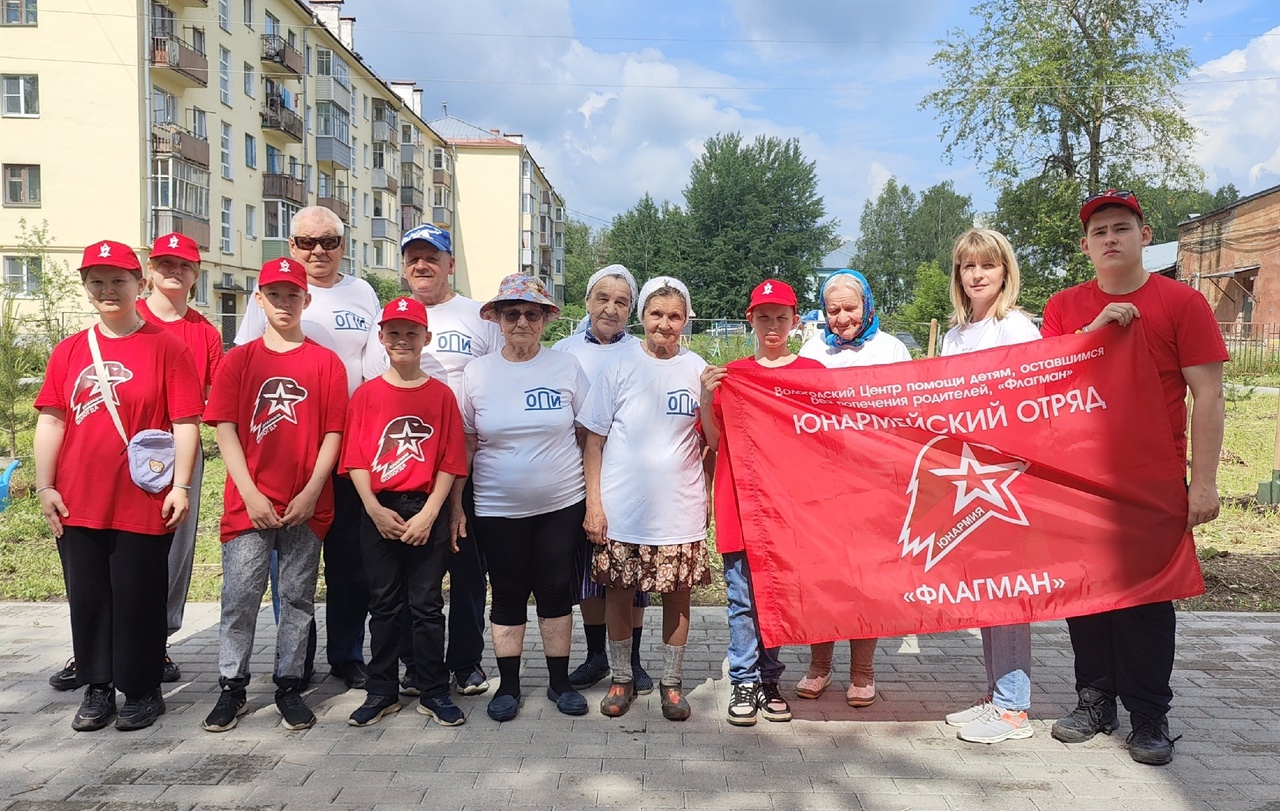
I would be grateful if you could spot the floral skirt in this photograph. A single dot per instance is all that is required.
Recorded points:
(661, 569)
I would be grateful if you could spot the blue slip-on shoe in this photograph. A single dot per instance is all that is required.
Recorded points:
(503, 707)
(570, 702)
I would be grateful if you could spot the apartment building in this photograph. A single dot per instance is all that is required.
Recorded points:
(216, 118)
(508, 217)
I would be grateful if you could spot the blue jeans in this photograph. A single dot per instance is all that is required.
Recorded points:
(749, 659)
(1006, 649)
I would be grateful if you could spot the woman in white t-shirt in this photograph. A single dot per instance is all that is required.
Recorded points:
(518, 407)
(646, 492)
(984, 293)
(851, 336)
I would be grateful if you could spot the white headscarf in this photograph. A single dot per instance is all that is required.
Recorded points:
(667, 281)
(616, 271)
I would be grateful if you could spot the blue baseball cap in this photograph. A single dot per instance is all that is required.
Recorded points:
(428, 233)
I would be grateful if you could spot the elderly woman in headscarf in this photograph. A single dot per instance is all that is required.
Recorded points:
(611, 298)
(850, 337)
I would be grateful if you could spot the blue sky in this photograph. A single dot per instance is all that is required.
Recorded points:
(616, 98)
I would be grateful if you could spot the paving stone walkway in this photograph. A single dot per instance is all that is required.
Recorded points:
(894, 755)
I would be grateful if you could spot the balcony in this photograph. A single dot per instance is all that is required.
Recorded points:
(277, 50)
(384, 228)
(276, 116)
(442, 217)
(277, 186)
(382, 179)
(170, 140)
(410, 218)
(559, 226)
(171, 51)
(439, 177)
(414, 198)
(385, 132)
(190, 3)
(410, 153)
(333, 150)
(167, 221)
(330, 89)
(337, 207)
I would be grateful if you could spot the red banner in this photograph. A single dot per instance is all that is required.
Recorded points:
(1018, 484)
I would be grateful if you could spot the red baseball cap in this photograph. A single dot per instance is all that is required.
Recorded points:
(772, 291)
(1110, 197)
(283, 269)
(179, 245)
(404, 309)
(110, 254)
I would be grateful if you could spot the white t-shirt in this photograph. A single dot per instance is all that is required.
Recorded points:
(881, 348)
(459, 335)
(651, 479)
(593, 357)
(990, 332)
(343, 318)
(527, 458)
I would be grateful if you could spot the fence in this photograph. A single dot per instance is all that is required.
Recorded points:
(1254, 347)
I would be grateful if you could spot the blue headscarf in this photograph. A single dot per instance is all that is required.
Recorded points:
(870, 321)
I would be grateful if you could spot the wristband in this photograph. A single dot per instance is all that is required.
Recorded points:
(40, 490)
(183, 486)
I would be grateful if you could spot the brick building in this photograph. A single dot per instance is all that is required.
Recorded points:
(1232, 255)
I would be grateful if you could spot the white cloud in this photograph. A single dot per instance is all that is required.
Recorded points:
(847, 29)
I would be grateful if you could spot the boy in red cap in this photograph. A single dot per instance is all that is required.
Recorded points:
(403, 449)
(754, 670)
(279, 403)
(1128, 653)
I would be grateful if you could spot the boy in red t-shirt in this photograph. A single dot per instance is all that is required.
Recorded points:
(1128, 653)
(403, 449)
(754, 670)
(278, 403)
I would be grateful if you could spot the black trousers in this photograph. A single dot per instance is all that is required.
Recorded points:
(346, 584)
(532, 556)
(117, 586)
(1127, 653)
(405, 585)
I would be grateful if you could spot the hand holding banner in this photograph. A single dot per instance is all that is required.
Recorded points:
(1025, 483)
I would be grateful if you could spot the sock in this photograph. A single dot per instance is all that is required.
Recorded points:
(509, 672)
(820, 659)
(595, 639)
(862, 657)
(621, 661)
(673, 664)
(558, 669)
(636, 633)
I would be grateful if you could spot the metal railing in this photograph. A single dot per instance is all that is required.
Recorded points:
(1254, 347)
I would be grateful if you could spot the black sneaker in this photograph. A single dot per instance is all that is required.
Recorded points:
(171, 671)
(743, 705)
(353, 674)
(67, 678)
(1149, 742)
(471, 682)
(140, 713)
(226, 713)
(590, 672)
(772, 705)
(96, 709)
(1095, 712)
(442, 709)
(641, 679)
(409, 684)
(294, 711)
(374, 709)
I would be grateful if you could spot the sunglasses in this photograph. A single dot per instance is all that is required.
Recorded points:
(1123, 194)
(514, 315)
(329, 243)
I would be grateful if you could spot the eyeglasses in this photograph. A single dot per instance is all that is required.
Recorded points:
(1123, 194)
(328, 243)
(513, 315)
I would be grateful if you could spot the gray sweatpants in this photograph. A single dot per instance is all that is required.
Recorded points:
(245, 561)
(182, 554)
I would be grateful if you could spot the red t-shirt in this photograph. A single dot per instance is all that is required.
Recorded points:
(728, 526)
(194, 330)
(153, 378)
(1179, 327)
(283, 404)
(403, 437)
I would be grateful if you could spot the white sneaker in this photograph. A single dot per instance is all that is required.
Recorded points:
(962, 717)
(996, 725)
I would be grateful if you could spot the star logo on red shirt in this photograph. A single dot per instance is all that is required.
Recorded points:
(277, 401)
(86, 396)
(400, 444)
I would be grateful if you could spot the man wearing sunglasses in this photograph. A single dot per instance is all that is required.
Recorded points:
(342, 316)
(1128, 653)
(458, 336)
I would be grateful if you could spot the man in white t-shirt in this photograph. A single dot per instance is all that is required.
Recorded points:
(458, 336)
(342, 316)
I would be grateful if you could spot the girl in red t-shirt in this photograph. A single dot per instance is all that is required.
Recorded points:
(114, 537)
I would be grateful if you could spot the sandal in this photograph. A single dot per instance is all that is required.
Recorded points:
(813, 686)
(674, 705)
(618, 700)
(864, 696)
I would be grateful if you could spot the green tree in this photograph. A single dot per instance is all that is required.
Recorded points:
(1165, 207)
(882, 251)
(386, 288)
(941, 215)
(1081, 90)
(583, 255)
(930, 299)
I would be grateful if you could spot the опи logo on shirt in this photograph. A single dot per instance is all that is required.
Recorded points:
(346, 319)
(681, 402)
(543, 399)
(454, 342)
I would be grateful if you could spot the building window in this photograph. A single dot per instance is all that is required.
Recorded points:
(224, 14)
(197, 40)
(200, 123)
(366, 156)
(182, 187)
(224, 76)
(332, 121)
(366, 208)
(19, 12)
(278, 215)
(22, 275)
(202, 289)
(272, 25)
(251, 222)
(250, 151)
(330, 64)
(164, 107)
(275, 160)
(379, 157)
(226, 150)
(366, 107)
(250, 81)
(21, 184)
(380, 254)
(226, 225)
(21, 95)
(248, 14)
